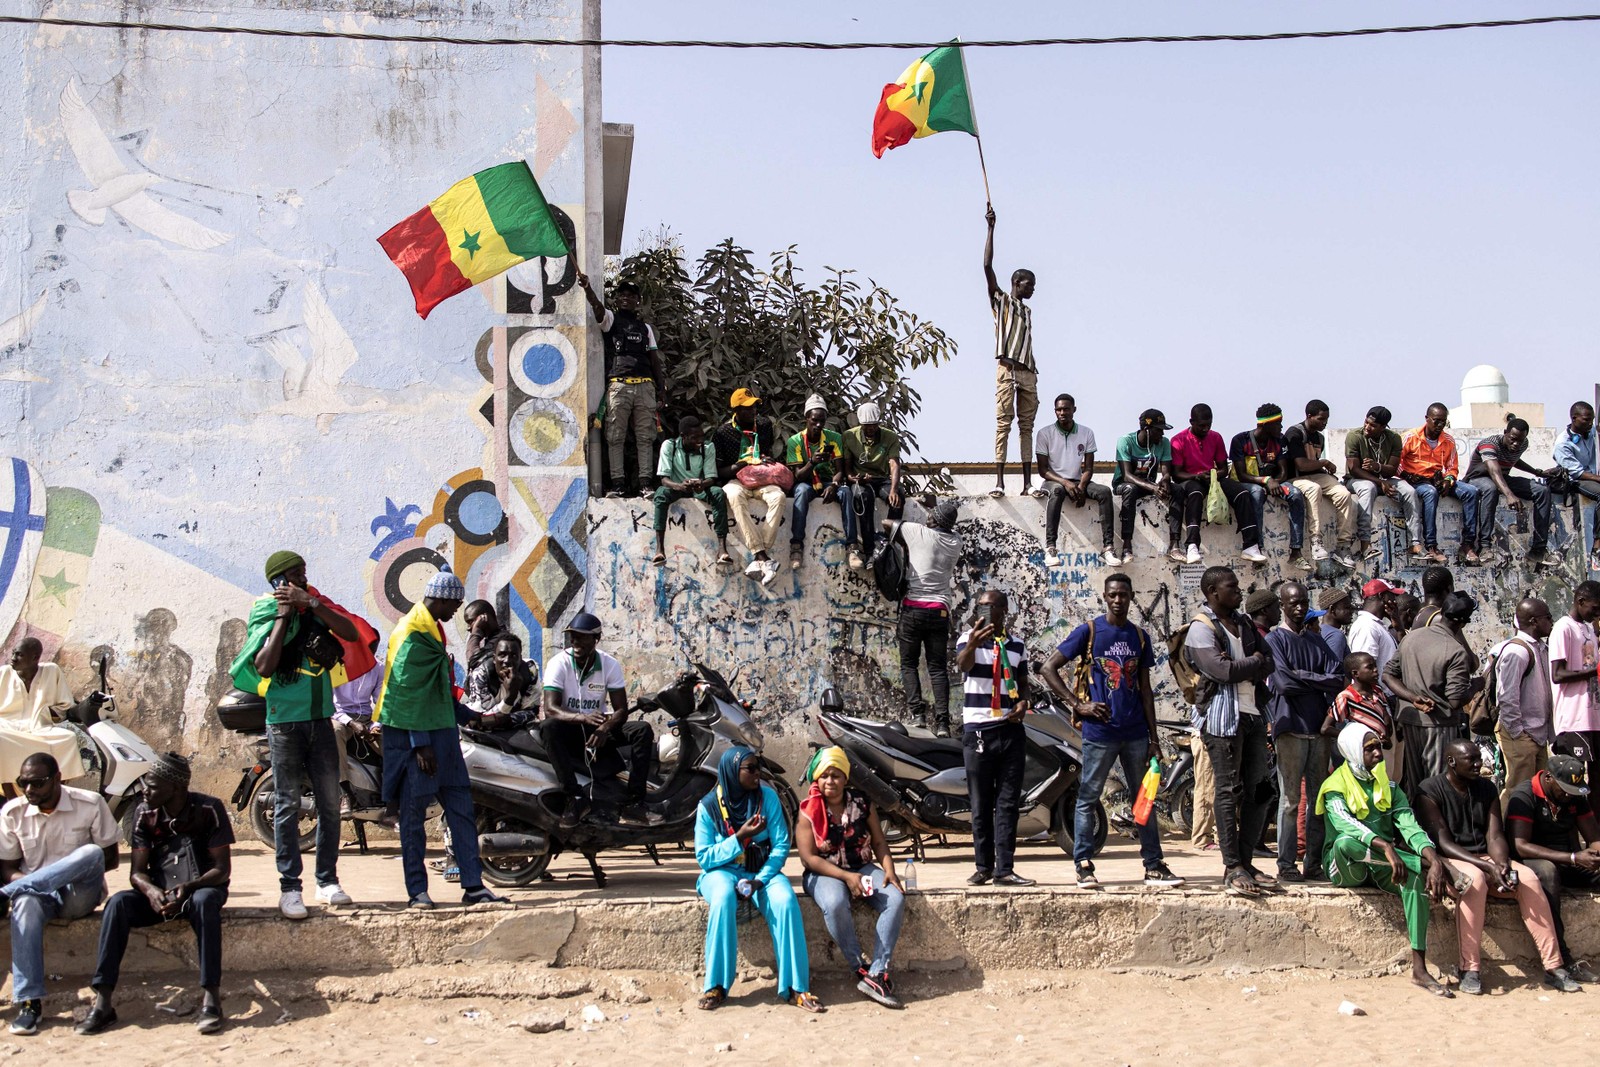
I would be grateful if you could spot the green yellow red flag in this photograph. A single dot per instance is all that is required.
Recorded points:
(930, 97)
(481, 227)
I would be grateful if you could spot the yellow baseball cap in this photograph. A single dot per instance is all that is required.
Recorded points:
(743, 398)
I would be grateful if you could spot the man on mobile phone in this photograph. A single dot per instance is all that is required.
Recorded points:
(995, 665)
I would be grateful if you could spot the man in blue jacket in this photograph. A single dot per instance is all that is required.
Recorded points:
(1304, 680)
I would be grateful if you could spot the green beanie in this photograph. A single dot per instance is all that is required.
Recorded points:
(281, 561)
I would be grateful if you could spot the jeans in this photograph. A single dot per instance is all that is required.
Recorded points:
(712, 497)
(1097, 494)
(1297, 512)
(1551, 879)
(1428, 496)
(1239, 764)
(633, 742)
(1366, 494)
(69, 888)
(925, 631)
(301, 751)
(994, 758)
(414, 792)
(1134, 757)
(130, 909)
(1189, 501)
(1586, 492)
(1522, 489)
(804, 495)
(864, 503)
(1301, 757)
(832, 898)
(1128, 510)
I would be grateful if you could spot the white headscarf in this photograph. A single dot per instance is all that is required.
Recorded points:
(1352, 739)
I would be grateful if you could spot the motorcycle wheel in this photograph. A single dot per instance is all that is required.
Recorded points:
(1182, 803)
(511, 871)
(1065, 815)
(263, 801)
(787, 801)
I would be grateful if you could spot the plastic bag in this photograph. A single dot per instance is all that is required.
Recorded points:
(1217, 513)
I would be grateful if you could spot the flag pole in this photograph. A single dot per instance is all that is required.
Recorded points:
(972, 108)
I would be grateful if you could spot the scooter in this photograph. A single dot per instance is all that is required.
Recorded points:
(124, 756)
(256, 792)
(520, 802)
(918, 782)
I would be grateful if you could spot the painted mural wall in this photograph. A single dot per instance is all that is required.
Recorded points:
(205, 356)
(827, 625)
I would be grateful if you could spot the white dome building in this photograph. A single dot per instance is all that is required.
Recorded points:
(1486, 400)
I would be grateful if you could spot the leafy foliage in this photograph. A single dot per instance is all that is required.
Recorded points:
(732, 325)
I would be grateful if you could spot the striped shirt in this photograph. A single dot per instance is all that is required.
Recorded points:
(978, 686)
(1013, 330)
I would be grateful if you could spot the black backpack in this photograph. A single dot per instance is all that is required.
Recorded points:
(891, 572)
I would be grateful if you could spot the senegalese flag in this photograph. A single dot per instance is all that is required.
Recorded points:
(481, 227)
(418, 691)
(930, 97)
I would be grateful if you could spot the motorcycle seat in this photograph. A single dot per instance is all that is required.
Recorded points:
(517, 742)
(937, 751)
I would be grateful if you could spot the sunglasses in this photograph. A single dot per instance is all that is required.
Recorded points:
(33, 783)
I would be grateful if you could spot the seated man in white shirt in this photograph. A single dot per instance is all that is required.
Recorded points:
(56, 844)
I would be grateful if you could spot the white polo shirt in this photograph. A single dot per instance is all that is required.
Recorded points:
(39, 839)
(1065, 450)
(581, 691)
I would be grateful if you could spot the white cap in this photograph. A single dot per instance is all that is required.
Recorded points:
(815, 401)
(868, 413)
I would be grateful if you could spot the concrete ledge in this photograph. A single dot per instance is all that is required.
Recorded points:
(1187, 932)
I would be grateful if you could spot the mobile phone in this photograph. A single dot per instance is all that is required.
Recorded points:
(279, 582)
(997, 616)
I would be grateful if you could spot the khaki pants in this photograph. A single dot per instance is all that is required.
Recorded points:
(1204, 830)
(1016, 393)
(342, 733)
(1323, 491)
(630, 404)
(762, 538)
(1524, 758)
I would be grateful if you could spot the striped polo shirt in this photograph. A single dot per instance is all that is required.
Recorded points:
(978, 685)
(1013, 330)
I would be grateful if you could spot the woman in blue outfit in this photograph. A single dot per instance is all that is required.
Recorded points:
(741, 841)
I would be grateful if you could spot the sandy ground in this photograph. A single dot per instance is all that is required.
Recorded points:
(1066, 1016)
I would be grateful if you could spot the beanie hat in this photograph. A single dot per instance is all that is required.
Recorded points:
(868, 414)
(814, 402)
(282, 561)
(171, 767)
(1331, 596)
(1259, 601)
(445, 586)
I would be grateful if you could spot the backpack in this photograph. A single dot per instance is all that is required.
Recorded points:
(1483, 710)
(1197, 689)
(891, 571)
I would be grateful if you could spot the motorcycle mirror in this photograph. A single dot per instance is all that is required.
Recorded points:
(104, 685)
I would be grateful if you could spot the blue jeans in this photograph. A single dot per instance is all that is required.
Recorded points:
(405, 784)
(1535, 492)
(1428, 496)
(832, 898)
(1301, 758)
(1098, 756)
(1297, 513)
(301, 751)
(69, 888)
(803, 497)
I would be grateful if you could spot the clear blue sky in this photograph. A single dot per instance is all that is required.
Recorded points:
(1361, 220)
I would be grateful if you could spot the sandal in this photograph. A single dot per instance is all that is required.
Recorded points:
(997, 492)
(659, 559)
(724, 560)
(712, 999)
(1240, 884)
(808, 1001)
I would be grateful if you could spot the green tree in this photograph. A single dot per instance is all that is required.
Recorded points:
(732, 325)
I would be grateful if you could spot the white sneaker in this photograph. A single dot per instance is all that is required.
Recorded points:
(1344, 559)
(1254, 554)
(769, 571)
(1051, 560)
(1110, 558)
(754, 567)
(1319, 553)
(1193, 555)
(332, 895)
(292, 904)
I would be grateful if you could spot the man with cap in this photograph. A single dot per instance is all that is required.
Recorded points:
(1261, 465)
(1315, 476)
(1264, 610)
(874, 453)
(816, 455)
(1372, 467)
(288, 658)
(634, 381)
(1065, 451)
(1338, 609)
(56, 843)
(748, 439)
(1554, 832)
(179, 869)
(1144, 468)
(923, 626)
(421, 744)
(1370, 632)
(579, 683)
(1016, 381)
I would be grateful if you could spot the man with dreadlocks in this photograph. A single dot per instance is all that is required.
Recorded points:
(289, 658)
(995, 663)
(181, 864)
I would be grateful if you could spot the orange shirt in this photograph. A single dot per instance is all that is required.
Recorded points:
(1425, 460)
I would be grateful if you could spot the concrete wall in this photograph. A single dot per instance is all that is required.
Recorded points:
(827, 625)
(225, 363)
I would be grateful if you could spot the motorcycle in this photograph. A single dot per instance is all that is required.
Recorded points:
(124, 756)
(520, 802)
(918, 782)
(1174, 803)
(256, 793)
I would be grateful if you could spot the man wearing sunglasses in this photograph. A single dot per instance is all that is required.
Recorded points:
(56, 845)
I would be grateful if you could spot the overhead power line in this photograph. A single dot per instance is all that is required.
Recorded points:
(823, 46)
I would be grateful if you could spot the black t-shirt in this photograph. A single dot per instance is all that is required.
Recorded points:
(1301, 442)
(1466, 815)
(1555, 824)
(628, 347)
(204, 822)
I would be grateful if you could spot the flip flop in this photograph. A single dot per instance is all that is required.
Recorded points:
(808, 1001)
(997, 493)
(658, 559)
(724, 560)
(712, 999)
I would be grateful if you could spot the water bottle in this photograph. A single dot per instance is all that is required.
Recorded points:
(866, 885)
(745, 888)
(909, 878)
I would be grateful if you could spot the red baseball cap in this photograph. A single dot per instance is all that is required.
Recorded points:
(1378, 587)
